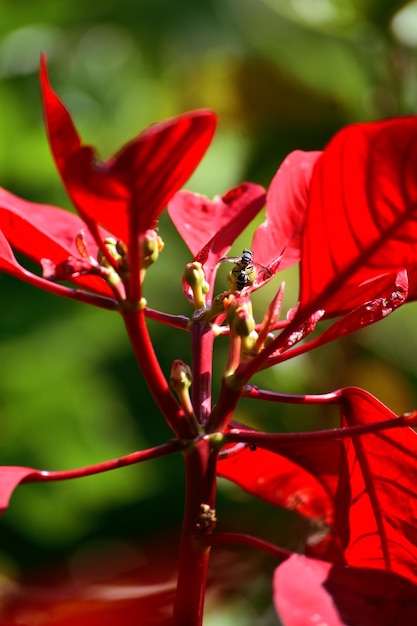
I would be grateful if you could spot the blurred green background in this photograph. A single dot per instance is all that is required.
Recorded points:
(282, 75)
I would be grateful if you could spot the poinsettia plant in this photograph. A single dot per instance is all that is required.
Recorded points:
(347, 216)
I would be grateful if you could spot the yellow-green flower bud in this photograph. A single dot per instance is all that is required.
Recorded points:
(150, 245)
(249, 344)
(181, 377)
(243, 322)
(194, 277)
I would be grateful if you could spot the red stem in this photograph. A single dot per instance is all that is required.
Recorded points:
(200, 469)
(175, 321)
(272, 440)
(202, 352)
(333, 397)
(123, 461)
(142, 346)
(222, 412)
(248, 540)
(74, 294)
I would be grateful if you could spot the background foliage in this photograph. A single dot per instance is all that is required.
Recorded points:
(281, 75)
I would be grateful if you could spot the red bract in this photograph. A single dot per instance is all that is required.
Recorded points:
(307, 591)
(387, 293)
(371, 479)
(349, 216)
(282, 482)
(361, 220)
(47, 234)
(215, 224)
(377, 496)
(126, 193)
(209, 227)
(286, 207)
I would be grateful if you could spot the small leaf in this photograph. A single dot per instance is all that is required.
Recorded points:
(308, 591)
(209, 227)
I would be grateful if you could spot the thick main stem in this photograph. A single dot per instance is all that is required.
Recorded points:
(199, 520)
(202, 351)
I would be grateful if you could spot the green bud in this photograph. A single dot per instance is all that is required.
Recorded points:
(249, 344)
(243, 322)
(194, 277)
(150, 245)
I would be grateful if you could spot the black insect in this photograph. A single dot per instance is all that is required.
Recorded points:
(244, 272)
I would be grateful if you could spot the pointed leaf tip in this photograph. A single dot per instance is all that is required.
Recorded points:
(127, 193)
(62, 134)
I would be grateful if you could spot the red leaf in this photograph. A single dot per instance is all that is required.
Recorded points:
(361, 220)
(8, 262)
(286, 207)
(377, 496)
(10, 478)
(41, 231)
(127, 193)
(219, 221)
(307, 591)
(389, 292)
(279, 481)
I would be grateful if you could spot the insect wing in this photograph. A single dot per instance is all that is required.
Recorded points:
(263, 274)
(230, 259)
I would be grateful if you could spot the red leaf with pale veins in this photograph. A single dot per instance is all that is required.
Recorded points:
(371, 481)
(10, 478)
(286, 206)
(308, 591)
(377, 496)
(361, 220)
(127, 193)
